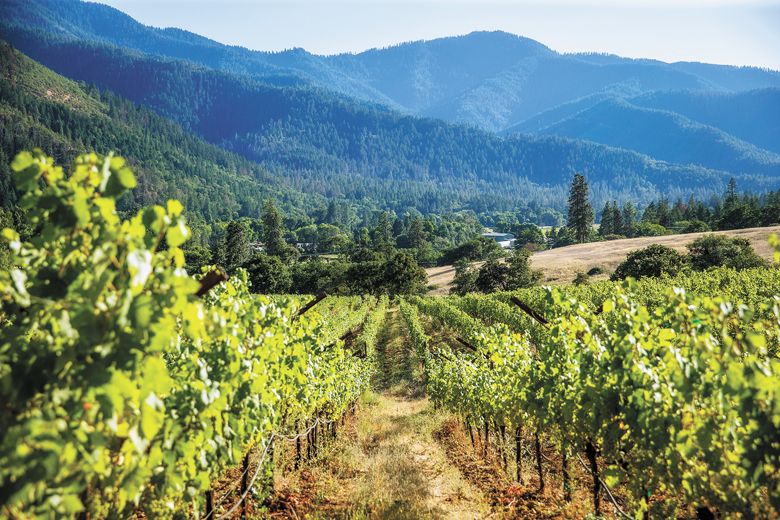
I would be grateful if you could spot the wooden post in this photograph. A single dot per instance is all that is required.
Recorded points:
(566, 477)
(487, 438)
(317, 299)
(297, 448)
(590, 452)
(210, 505)
(519, 454)
(538, 448)
(209, 281)
(244, 483)
(471, 433)
(528, 310)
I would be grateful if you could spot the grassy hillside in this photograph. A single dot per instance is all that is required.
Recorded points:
(560, 265)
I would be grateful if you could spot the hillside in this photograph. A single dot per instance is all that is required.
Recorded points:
(327, 145)
(665, 135)
(39, 108)
(489, 79)
(560, 265)
(753, 116)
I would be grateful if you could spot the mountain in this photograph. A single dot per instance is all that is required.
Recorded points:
(490, 79)
(753, 116)
(665, 135)
(39, 108)
(325, 144)
(362, 138)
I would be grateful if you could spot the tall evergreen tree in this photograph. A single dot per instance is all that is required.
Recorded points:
(629, 219)
(580, 219)
(273, 230)
(382, 236)
(617, 219)
(606, 227)
(664, 213)
(416, 236)
(236, 250)
(731, 198)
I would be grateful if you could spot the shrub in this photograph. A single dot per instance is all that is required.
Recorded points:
(720, 250)
(593, 271)
(694, 226)
(473, 250)
(654, 260)
(581, 279)
(648, 229)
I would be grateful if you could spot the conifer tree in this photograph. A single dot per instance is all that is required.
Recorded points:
(606, 226)
(382, 235)
(273, 230)
(580, 219)
(617, 219)
(236, 246)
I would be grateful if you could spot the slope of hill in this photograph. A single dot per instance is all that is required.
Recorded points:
(492, 80)
(665, 135)
(326, 144)
(39, 108)
(753, 116)
(561, 265)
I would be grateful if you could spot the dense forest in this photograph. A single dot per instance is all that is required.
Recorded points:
(326, 144)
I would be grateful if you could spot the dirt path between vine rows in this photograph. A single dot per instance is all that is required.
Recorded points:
(389, 465)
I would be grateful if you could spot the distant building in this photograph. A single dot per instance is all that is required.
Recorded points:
(505, 240)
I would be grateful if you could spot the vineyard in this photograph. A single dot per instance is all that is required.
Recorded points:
(665, 390)
(130, 388)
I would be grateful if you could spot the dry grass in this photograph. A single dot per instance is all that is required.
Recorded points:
(387, 463)
(560, 266)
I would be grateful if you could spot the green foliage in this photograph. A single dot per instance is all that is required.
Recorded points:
(529, 236)
(581, 278)
(236, 245)
(654, 260)
(268, 274)
(580, 219)
(675, 390)
(474, 250)
(649, 229)
(119, 384)
(496, 274)
(720, 250)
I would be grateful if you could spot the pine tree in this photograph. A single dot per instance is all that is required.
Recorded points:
(416, 236)
(617, 219)
(580, 219)
(606, 226)
(273, 230)
(731, 197)
(236, 250)
(664, 213)
(650, 214)
(382, 235)
(629, 219)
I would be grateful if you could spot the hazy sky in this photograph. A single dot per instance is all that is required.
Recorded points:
(739, 32)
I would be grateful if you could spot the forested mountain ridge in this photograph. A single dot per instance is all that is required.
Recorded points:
(490, 79)
(267, 108)
(665, 135)
(326, 144)
(39, 108)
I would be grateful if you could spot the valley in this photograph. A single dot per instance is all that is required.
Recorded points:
(469, 274)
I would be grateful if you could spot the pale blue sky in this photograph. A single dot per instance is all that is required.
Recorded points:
(738, 32)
